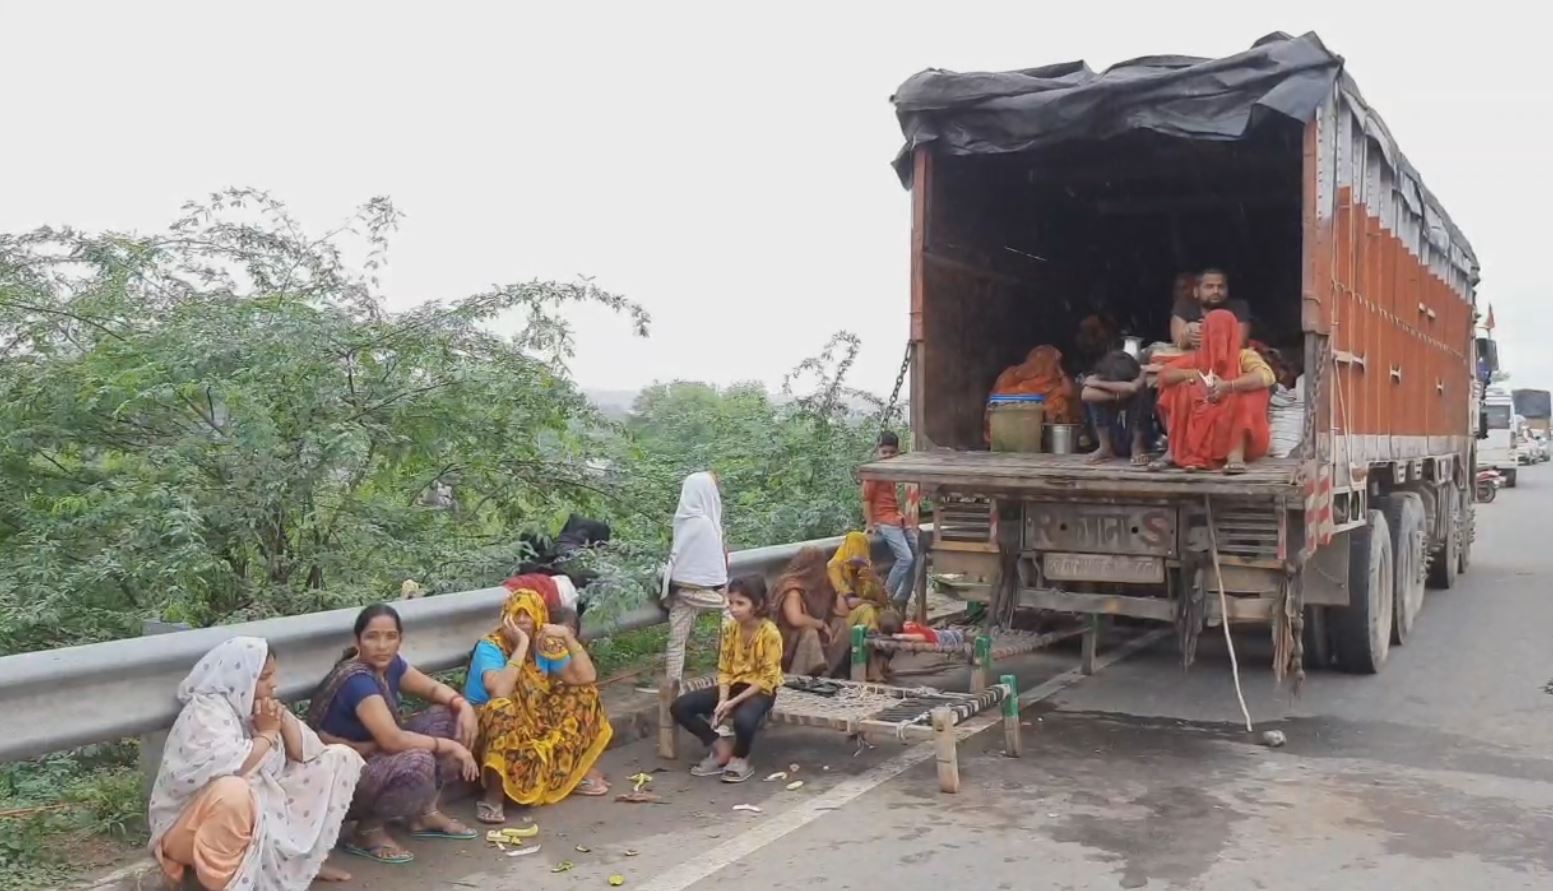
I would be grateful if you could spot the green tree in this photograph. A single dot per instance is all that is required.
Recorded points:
(222, 421)
(787, 466)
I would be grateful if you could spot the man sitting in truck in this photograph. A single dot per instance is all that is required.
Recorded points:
(1212, 292)
(1213, 400)
(1121, 408)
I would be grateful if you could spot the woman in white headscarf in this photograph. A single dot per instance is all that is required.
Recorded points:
(247, 796)
(697, 572)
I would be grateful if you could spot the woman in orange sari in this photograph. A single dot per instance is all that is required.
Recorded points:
(1213, 401)
(1040, 374)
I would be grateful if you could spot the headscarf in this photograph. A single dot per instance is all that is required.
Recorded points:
(217, 698)
(698, 556)
(1200, 430)
(1219, 351)
(550, 655)
(299, 804)
(1040, 374)
(539, 583)
(852, 570)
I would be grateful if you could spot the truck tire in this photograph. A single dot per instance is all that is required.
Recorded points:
(1361, 631)
(1466, 534)
(1446, 561)
(1317, 639)
(1405, 515)
(1509, 478)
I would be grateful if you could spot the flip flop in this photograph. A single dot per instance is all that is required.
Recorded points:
(466, 835)
(1234, 468)
(372, 854)
(493, 814)
(592, 788)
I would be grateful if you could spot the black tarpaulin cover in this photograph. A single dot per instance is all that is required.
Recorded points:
(1182, 96)
(1014, 111)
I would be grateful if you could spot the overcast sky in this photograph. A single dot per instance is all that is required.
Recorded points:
(726, 168)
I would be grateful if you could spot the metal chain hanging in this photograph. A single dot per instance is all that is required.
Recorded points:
(893, 406)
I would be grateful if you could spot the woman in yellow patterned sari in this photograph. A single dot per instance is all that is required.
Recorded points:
(543, 727)
(860, 594)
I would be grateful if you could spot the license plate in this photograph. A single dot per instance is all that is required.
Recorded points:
(1104, 568)
(1131, 529)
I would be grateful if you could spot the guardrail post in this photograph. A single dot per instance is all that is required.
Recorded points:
(152, 744)
(668, 731)
(859, 653)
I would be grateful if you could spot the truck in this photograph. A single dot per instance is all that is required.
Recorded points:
(1536, 406)
(1499, 446)
(1045, 195)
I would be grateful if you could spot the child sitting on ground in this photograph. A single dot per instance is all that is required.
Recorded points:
(749, 671)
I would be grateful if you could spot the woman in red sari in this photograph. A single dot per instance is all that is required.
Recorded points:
(1213, 401)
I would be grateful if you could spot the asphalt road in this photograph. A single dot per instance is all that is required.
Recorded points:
(1435, 774)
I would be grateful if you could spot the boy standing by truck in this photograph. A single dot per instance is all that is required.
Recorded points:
(882, 514)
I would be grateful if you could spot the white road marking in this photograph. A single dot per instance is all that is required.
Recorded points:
(762, 834)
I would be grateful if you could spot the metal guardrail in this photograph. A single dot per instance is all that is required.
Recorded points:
(60, 699)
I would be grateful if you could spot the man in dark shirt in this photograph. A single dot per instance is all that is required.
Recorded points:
(1212, 293)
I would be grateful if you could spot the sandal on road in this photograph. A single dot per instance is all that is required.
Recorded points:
(493, 814)
(377, 846)
(448, 828)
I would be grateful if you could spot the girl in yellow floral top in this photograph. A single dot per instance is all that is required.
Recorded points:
(749, 671)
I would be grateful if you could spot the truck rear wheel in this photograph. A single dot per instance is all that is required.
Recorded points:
(1448, 559)
(1361, 631)
(1317, 638)
(1466, 532)
(1405, 515)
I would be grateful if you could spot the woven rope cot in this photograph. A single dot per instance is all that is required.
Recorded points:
(875, 712)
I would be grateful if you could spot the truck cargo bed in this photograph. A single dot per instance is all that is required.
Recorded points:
(1022, 474)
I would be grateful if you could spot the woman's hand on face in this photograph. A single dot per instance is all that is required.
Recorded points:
(268, 715)
(564, 632)
(514, 635)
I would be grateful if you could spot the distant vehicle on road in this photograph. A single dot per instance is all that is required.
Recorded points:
(1499, 446)
(1534, 444)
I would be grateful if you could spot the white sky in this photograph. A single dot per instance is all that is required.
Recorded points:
(726, 168)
